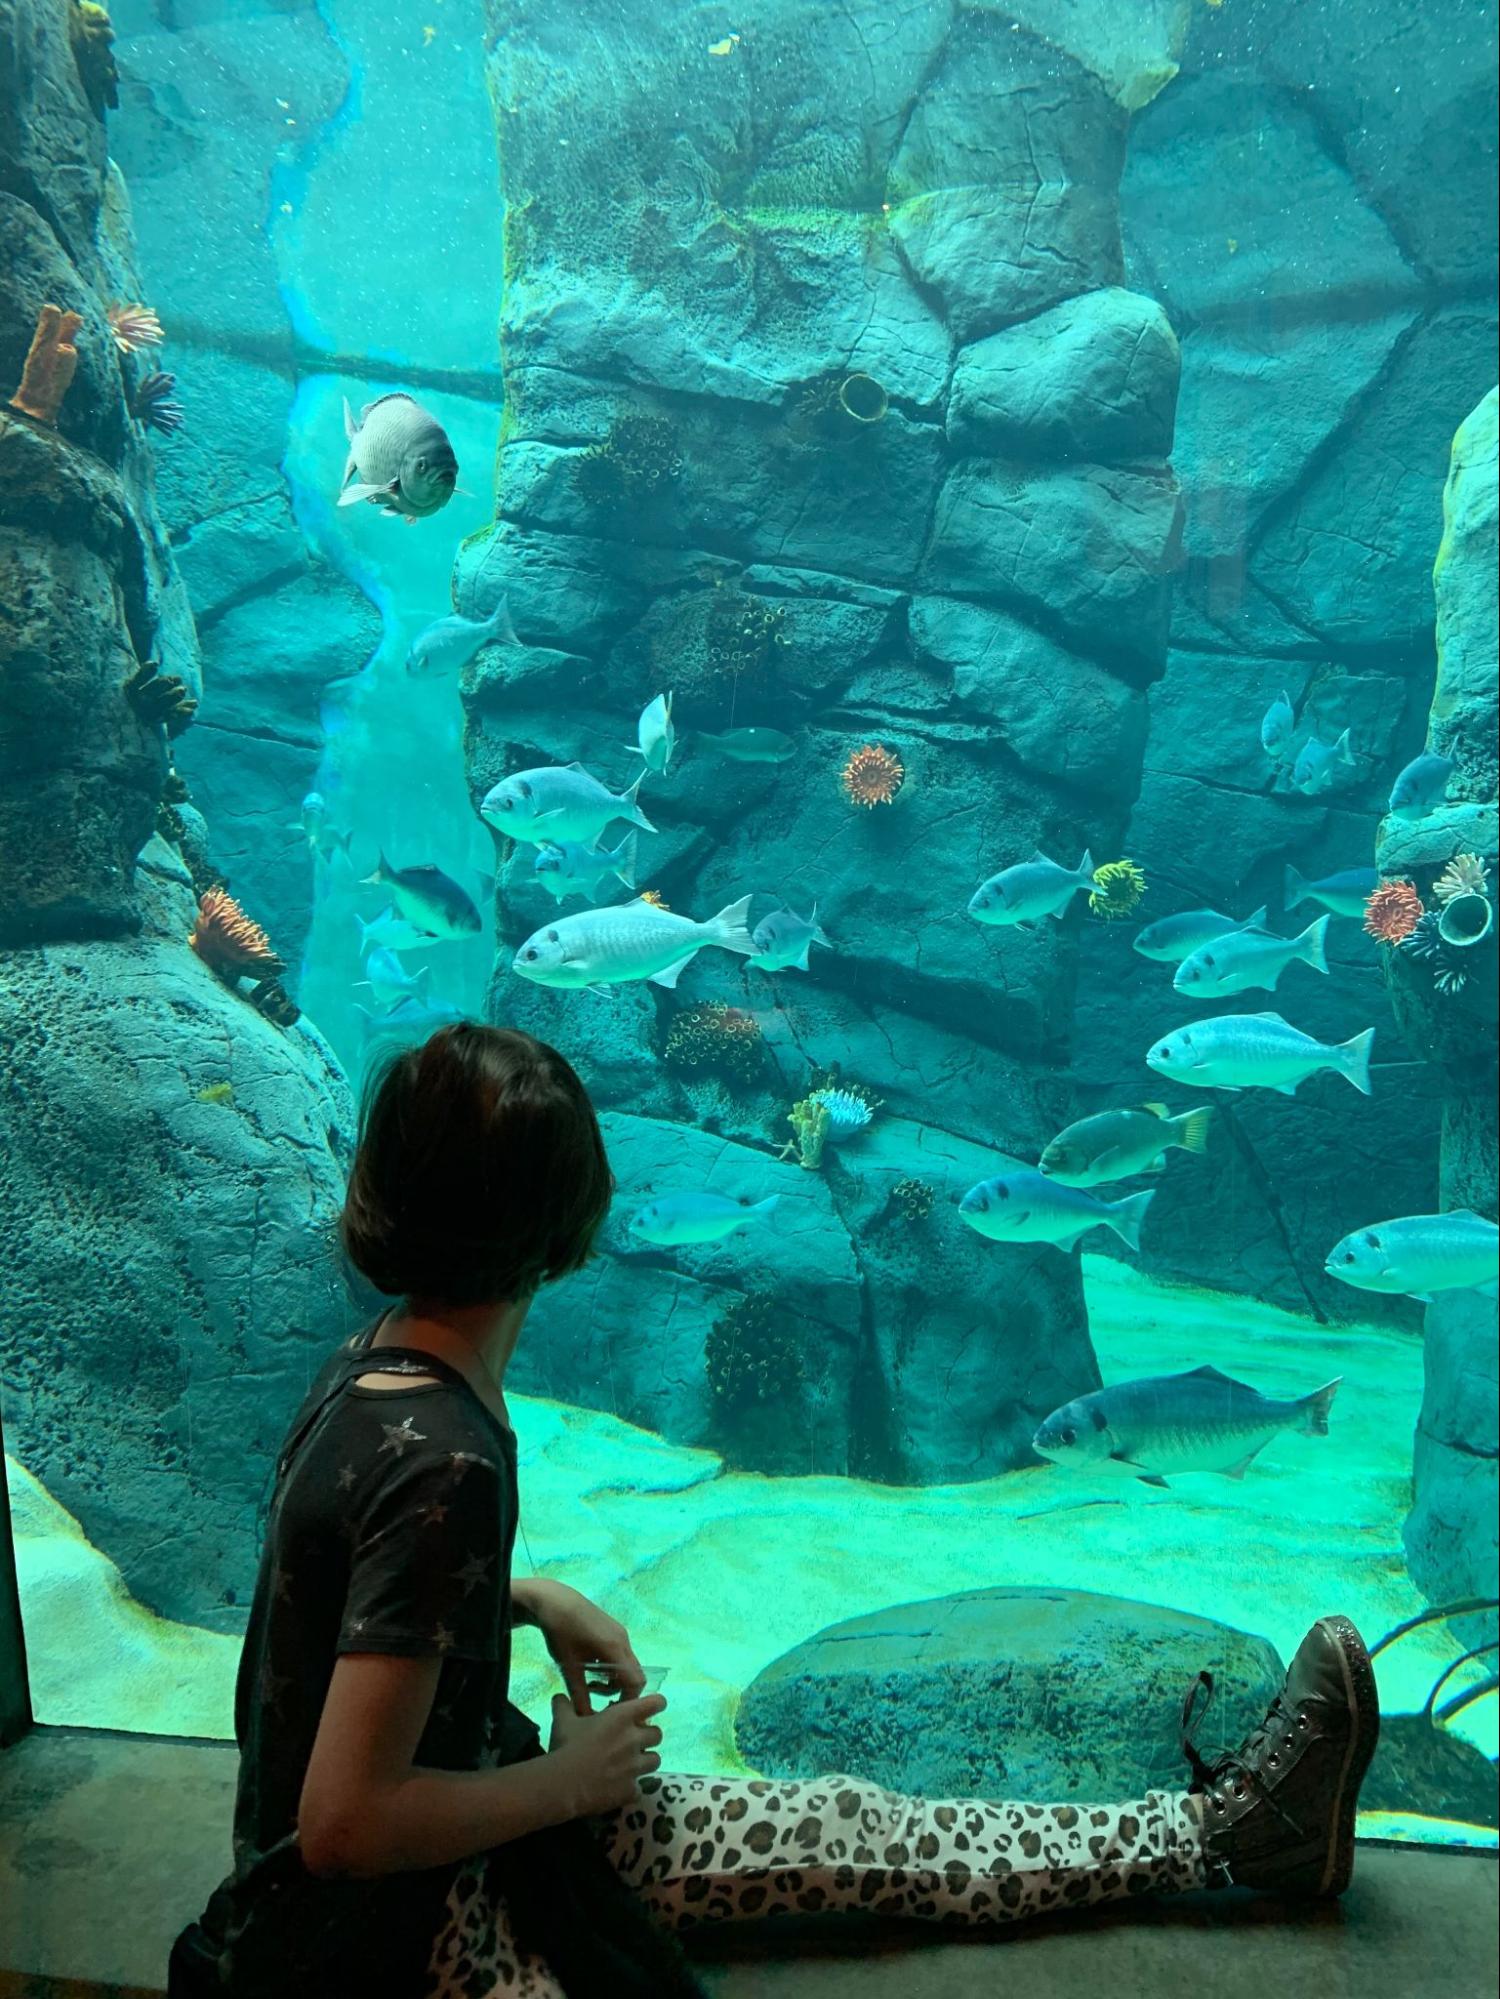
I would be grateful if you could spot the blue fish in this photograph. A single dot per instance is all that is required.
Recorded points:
(1421, 787)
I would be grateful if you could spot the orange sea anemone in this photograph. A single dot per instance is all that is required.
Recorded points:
(655, 897)
(1393, 911)
(872, 776)
(228, 942)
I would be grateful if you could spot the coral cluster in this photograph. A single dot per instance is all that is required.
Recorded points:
(153, 402)
(92, 35)
(50, 364)
(639, 457)
(913, 1199)
(228, 942)
(809, 1120)
(715, 1039)
(1118, 889)
(743, 633)
(1465, 874)
(160, 698)
(751, 1355)
(1393, 911)
(134, 327)
(873, 776)
(1426, 943)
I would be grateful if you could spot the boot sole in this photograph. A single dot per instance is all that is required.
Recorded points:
(1364, 1704)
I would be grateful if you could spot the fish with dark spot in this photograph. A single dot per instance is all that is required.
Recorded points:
(400, 458)
(1202, 1421)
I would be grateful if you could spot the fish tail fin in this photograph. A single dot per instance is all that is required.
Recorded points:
(768, 1206)
(1356, 1060)
(729, 925)
(381, 873)
(623, 858)
(632, 810)
(1256, 920)
(350, 426)
(1125, 1217)
(817, 932)
(1086, 868)
(500, 626)
(1312, 945)
(1192, 1129)
(1315, 1408)
(1293, 889)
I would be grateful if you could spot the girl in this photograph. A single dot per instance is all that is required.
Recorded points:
(398, 1828)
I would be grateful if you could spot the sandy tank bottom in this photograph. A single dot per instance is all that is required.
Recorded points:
(717, 1573)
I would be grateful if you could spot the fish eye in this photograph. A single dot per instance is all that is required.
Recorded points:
(1067, 1435)
(531, 954)
(1349, 1256)
(982, 1203)
(506, 804)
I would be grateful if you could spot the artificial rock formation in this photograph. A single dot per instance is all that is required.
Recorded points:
(1003, 1693)
(1451, 1533)
(692, 497)
(170, 1160)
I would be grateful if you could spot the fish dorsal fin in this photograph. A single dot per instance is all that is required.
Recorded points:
(1208, 1373)
(1265, 1016)
(1039, 859)
(573, 766)
(1157, 1110)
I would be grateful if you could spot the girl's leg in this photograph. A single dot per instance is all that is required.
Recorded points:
(708, 1849)
(476, 1951)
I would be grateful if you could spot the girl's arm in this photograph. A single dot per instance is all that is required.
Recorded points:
(368, 1809)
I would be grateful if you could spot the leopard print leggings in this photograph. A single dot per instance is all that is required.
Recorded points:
(710, 1849)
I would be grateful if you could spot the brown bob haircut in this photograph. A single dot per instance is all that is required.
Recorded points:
(480, 1173)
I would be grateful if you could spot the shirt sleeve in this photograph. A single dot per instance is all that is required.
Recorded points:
(426, 1576)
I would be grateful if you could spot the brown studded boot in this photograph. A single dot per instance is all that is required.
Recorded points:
(1278, 1812)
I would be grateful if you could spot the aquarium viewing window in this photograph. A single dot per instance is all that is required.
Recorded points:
(915, 589)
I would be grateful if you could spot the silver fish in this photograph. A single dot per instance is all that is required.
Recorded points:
(1113, 1145)
(557, 803)
(448, 645)
(1025, 1206)
(749, 746)
(389, 979)
(633, 940)
(1030, 891)
(1248, 958)
(391, 929)
(783, 940)
(1321, 765)
(402, 457)
(323, 838)
(1344, 894)
(1421, 787)
(1418, 1255)
(1172, 938)
(1276, 727)
(1247, 1051)
(655, 737)
(672, 1220)
(1195, 1422)
(565, 868)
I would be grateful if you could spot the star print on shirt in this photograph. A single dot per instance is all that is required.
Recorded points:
(346, 1478)
(459, 1462)
(398, 1436)
(433, 1515)
(474, 1573)
(443, 1638)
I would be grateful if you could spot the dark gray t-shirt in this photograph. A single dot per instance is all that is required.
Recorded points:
(390, 1530)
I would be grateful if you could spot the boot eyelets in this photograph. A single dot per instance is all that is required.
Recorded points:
(1302, 1721)
(1273, 1759)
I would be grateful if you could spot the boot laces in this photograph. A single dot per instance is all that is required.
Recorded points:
(1234, 1767)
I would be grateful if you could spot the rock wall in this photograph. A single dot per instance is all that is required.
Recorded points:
(1313, 201)
(1451, 1531)
(962, 556)
(169, 1158)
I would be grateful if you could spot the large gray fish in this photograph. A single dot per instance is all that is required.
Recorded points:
(1026, 1206)
(447, 645)
(1421, 787)
(1201, 1421)
(1344, 894)
(1248, 958)
(431, 901)
(1030, 891)
(1113, 1145)
(633, 940)
(1321, 765)
(783, 940)
(749, 746)
(1257, 1051)
(1172, 938)
(402, 458)
(1417, 1255)
(557, 803)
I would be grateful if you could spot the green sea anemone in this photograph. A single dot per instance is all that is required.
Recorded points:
(639, 457)
(752, 1355)
(1118, 889)
(913, 1199)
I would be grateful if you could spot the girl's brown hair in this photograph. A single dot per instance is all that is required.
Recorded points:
(480, 1173)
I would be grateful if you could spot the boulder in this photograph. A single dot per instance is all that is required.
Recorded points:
(1096, 377)
(1049, 1695)
(167, 1306)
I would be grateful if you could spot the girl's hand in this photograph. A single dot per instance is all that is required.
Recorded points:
(576, 1632)
(601, 1758)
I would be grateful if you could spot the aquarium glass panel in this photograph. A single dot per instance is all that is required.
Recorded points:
(914, 587)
